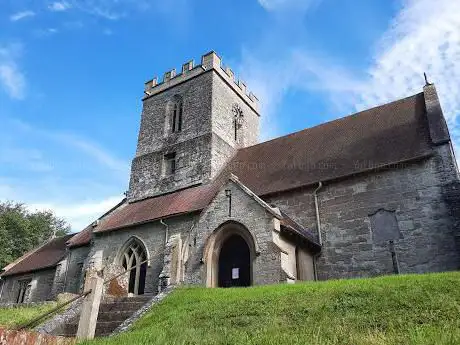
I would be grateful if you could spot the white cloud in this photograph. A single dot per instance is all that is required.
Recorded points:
(66, 173)
(27, 159)
(80, 214)
(21, 15)
(286, 5)
(59, 6)
(106, 9)
(95, 151)
(423, 37)
(45, 32)
(84, 145)
(12, 79)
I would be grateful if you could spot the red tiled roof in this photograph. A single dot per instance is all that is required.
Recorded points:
(387, 134)
(45, 257)
(187, 200)
(82, 238)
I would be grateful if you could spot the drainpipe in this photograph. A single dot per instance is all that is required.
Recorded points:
(318, 221)
(166, 232)
(163, 278)
(318, 226)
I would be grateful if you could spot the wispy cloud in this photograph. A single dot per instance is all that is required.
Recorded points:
(84, 145)
(21, 15)
(12, 79)
(26, 159)
(41, 33)
(423, 37)
(106, 9)
(95, 151)
(288, 5)
(59, 6)
(80, 214)
(49, 169)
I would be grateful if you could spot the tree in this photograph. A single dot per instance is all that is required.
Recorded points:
(22, 230)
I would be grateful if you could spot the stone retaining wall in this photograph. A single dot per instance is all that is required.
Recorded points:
(12, 337)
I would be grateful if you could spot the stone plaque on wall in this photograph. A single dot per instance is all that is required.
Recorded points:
(384, 226)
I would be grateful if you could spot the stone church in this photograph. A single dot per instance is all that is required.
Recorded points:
(365, 195)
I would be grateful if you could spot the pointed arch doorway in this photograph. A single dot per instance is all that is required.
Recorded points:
(133, 259)
(229, 256)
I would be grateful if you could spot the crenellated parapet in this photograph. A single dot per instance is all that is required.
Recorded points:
(209, 61)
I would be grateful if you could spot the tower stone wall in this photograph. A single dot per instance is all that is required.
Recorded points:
(211, 102)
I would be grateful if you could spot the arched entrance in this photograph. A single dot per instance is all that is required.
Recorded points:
(234, 263)
(133, 258)
(229, 255)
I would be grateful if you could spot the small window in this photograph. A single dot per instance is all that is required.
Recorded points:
(170, 163)
(176, 125)
(78, 276)
(24, 287)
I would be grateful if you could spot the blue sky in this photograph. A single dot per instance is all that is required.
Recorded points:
(72, 74)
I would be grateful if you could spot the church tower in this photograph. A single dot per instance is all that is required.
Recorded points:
(192, 124)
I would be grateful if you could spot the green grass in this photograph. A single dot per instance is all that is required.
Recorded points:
(411, 309)
(10, 317)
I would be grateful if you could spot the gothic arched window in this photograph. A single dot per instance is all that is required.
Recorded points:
(134, 259)
(175, 111)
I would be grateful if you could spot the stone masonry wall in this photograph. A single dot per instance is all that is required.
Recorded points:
(193, 166)
(207, 139)
(413, 190)
(221, 151)
(196, 98)
(60, 275)
(152, 235)
(192, 145)
(40, 286)
(223, 100)
(245, 210)
(76, 259)
(13, 337)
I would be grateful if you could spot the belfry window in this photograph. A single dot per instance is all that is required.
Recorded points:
(177, 110)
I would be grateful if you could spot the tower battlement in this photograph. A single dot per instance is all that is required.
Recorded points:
(209, 61)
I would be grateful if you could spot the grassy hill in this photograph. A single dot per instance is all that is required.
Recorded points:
(410, 309)
(11, 317)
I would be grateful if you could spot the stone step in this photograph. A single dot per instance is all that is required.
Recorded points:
(106, 327)
(112, 313)
(118, 315)
(141, 298)
(120, 306)
(103, 328)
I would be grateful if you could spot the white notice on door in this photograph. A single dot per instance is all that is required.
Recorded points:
(235, 273)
